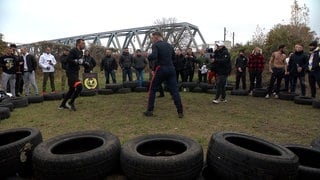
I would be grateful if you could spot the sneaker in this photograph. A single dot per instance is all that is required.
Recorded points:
(276, 96)
(71, 106)
(215, 101)
(223, 100)
(44, 92)
(267, 96)
(184, 89)
(148, 113)
(250, 93)
(53, 92)
(180, 115)
(62, 107)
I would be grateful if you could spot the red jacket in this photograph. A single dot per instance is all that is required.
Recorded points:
(256, 63)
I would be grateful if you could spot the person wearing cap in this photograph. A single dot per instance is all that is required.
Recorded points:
(29, 68)
(222, 67)
(314, 67)
(162, 56)
(63, 61)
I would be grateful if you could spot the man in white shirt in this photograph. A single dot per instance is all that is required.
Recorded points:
(47, 63)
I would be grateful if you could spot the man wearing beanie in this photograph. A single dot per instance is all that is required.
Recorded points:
(314, 67)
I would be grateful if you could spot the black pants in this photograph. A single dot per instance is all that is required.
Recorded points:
(255, 79)
(276, 76)
(241, 76)
(314, 77)
(188, 75)
(181, 74)
(47, 75)
(202, 76)
(75, 88)
(221, 86)
(293, 83)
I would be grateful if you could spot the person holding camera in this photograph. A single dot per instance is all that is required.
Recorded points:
(47, 63)
(74, 60)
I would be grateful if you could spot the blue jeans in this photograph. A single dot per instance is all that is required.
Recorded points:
(168, 74)
(125, 72)
(140, 74)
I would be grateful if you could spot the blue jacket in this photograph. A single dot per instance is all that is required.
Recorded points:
(162, 54)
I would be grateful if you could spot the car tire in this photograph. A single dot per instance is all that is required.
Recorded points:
(16, 148)
(161, 157)
(83, 155)
(234, 156)
(303, 100)
(309, 160)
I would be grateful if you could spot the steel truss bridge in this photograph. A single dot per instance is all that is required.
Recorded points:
(180, 35)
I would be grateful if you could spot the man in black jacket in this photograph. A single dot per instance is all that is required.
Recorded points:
(109, 65)
(88, 62)
(297, 65)
(63, 60)
(9, 63)
(241, 66)
(222, 67)
(162, 55)
(314, 67)
(29, 68)
(74, 60)
(126, 64)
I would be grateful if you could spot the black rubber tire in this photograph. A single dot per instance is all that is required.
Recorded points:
(161, 157)
(146, 84)
(52, 96)
(234, 156)
(212, 91)
(105, 91)
(259, 92)
(130, 84)
(114, 87)
(239, 92)
(315, 143)
(4, 113)
(309, 160)
(303, 100)
(19, 102)
(189, 85)
(203, 86)
(35, 99)
(229, 87)
(141, 89)
(124, 90)
(8, 105)
(16, 148)
(88, 93)
(197, 90)
(287, 96)
(83, 155)
(316, 103)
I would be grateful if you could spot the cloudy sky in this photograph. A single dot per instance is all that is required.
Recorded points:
(26, 21)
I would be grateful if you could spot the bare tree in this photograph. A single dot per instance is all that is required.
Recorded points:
(259, 37)
(299, 14)
(179, 38)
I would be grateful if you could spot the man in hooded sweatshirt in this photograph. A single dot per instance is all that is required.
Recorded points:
(47, 63)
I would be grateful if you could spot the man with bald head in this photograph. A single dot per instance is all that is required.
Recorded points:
(29, 68)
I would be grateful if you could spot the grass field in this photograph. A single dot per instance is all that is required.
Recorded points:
(275, 120)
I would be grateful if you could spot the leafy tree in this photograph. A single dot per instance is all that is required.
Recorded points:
(290, 34)
(3, 44)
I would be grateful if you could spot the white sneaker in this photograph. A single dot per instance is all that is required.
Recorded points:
(223, 100)
(267, 96)
(276, 96)
(215, 101)
(184, 90)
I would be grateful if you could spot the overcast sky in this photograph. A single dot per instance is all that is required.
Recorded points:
(26, 21)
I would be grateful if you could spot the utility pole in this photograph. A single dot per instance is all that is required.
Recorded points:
(224, 34)
(233, 39)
